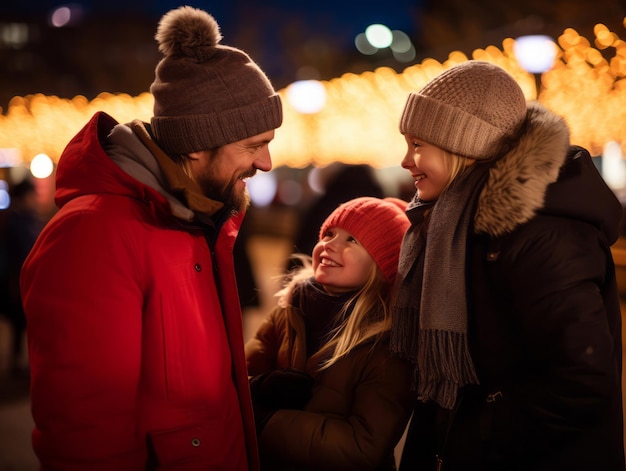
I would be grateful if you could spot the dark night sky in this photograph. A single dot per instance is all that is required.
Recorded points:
(290, 39)
(344, 17)
(253, 25)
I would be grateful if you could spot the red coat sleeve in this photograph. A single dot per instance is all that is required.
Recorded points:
(84, 306)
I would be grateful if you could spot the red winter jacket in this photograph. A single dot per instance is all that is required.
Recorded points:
(136, 349)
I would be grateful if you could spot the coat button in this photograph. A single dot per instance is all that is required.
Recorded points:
(195, 442)
(493, 256)
(197, 267)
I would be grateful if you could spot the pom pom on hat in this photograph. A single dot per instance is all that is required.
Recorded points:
(378, 224)
(471, 109)
(188, 32)
(206, 95)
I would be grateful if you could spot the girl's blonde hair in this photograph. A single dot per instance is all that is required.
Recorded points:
(456, 164)
(369, 319)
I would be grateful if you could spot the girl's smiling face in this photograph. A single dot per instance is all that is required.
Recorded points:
(340, 262)
(428, 168)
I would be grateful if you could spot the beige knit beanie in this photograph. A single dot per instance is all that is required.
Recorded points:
(206, 95)
(470, 109)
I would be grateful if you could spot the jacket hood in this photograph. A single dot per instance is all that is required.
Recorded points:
(581, 192)
(543, 174)
(122, 159)
(85, 168)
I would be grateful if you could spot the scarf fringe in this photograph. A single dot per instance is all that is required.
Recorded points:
(404, 329)
(444, 366)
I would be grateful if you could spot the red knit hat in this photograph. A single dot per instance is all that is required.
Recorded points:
(378, 224)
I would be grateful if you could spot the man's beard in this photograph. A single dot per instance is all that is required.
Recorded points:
(234, 202)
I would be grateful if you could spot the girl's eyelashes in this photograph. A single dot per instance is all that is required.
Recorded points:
(329, 234)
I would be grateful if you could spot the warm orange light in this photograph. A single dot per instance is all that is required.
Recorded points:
(359, 123)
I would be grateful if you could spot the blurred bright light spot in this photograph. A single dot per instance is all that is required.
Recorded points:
(613, 166)
(364, 46)
(41, 166)
(315, 180)
(262, 188)
(307, 96)
(66, 15)
(379, 36)
(19, 173)
(10, 157)
(406, 56)
(400, 42)
(5, 199)
(14, 35)
(535, 53)
(61, 17)
(290, 192)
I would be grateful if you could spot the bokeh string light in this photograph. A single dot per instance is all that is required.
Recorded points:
(359, 122)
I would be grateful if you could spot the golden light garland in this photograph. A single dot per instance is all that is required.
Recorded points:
(359, 123)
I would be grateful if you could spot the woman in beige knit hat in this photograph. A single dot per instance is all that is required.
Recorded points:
(507, 302)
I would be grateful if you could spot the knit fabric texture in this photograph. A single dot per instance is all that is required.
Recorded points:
(471, 109)
(378, 224)
(206, 95)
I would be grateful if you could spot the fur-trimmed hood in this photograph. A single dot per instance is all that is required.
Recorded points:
(522, 183)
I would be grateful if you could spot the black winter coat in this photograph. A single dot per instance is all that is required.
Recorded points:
(544, 325)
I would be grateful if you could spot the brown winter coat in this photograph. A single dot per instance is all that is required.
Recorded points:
(358, 410)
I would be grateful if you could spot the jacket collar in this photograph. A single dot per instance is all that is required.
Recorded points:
(178, 183)
(517, 182)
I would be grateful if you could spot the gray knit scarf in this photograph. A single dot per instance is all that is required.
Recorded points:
(430, 312)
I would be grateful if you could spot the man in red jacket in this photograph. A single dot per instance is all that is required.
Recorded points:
(134, 325)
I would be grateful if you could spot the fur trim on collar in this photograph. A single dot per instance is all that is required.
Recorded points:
(517, 183)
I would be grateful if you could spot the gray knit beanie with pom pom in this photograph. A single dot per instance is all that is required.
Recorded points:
(206, 94)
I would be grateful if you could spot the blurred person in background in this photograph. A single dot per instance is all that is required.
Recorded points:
(134, 324)
(21, 228)
(340, 183)
(507, 302)
(326, 391)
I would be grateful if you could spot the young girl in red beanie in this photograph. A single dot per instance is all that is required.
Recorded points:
(327, 392)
